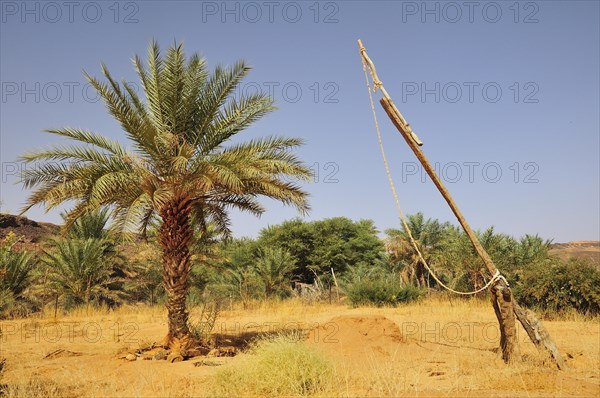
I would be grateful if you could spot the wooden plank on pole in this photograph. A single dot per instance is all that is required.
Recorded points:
(538, 334)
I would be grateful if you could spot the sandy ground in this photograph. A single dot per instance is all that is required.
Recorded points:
(435, 348)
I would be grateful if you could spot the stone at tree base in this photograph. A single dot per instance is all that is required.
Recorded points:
(226, 351)
(197, 352)
(130, 357)
(159, 356)
(174, 357)
(213, 353)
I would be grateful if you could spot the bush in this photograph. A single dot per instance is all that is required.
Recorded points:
(276, 366)
(574, 284)
(381, 290)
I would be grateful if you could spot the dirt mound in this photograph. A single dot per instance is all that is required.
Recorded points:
(356, 338)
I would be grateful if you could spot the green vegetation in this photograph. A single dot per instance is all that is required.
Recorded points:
(88, 266)
(15, 275)
(574, 284)
(84, 267)
(274, 268)
(381, 290)
(319, 246)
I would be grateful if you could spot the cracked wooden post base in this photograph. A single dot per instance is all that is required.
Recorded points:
(507, 310)
(502, 300)
(538, 334)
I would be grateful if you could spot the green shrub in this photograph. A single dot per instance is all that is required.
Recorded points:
(561, 286)
(276, 366)
(380, 290)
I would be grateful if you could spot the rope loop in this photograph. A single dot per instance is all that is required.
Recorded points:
(377, 85)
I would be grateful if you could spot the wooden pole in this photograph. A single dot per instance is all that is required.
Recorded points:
(501, 294)
(55, 306)
(538, 334)
(337, 288)
(505, 307)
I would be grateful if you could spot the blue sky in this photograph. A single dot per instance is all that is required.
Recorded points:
(505, 96)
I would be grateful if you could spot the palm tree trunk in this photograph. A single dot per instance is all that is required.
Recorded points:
(175, 236)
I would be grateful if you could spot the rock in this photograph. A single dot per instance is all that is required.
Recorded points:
(159, 356)
(197, 352)
(227, 351)
(174, 357)
(213, 353)
(130, 357)
(207, 363)
(147, 346)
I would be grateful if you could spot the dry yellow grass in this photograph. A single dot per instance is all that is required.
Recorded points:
(446, 350)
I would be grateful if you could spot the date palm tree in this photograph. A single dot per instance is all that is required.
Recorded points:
(179, 167)
(428, 234)
(274, 267)
(80, 270)
(84, 265)
(16, 267)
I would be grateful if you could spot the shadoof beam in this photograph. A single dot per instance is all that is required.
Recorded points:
(503, 301)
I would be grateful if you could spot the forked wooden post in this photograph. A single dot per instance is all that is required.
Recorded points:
(505, 306)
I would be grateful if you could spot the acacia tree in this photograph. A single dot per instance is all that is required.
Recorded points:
(179, 167)
(320, 246)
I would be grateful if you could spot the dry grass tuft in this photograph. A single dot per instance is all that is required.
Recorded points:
(35, 387)
(276, 366)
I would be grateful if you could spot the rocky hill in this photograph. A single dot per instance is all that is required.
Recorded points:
(29, 232)
(585, 249)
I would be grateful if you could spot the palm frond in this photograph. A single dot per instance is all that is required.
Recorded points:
(88, 137)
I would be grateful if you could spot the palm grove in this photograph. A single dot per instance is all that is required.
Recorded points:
(171, 193)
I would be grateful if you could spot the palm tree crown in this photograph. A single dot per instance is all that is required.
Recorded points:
(178, 136)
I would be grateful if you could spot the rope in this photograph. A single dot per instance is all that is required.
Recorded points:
(378, 84)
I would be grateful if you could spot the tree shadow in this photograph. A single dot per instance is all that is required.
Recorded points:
(242, 340)
(460, 347)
